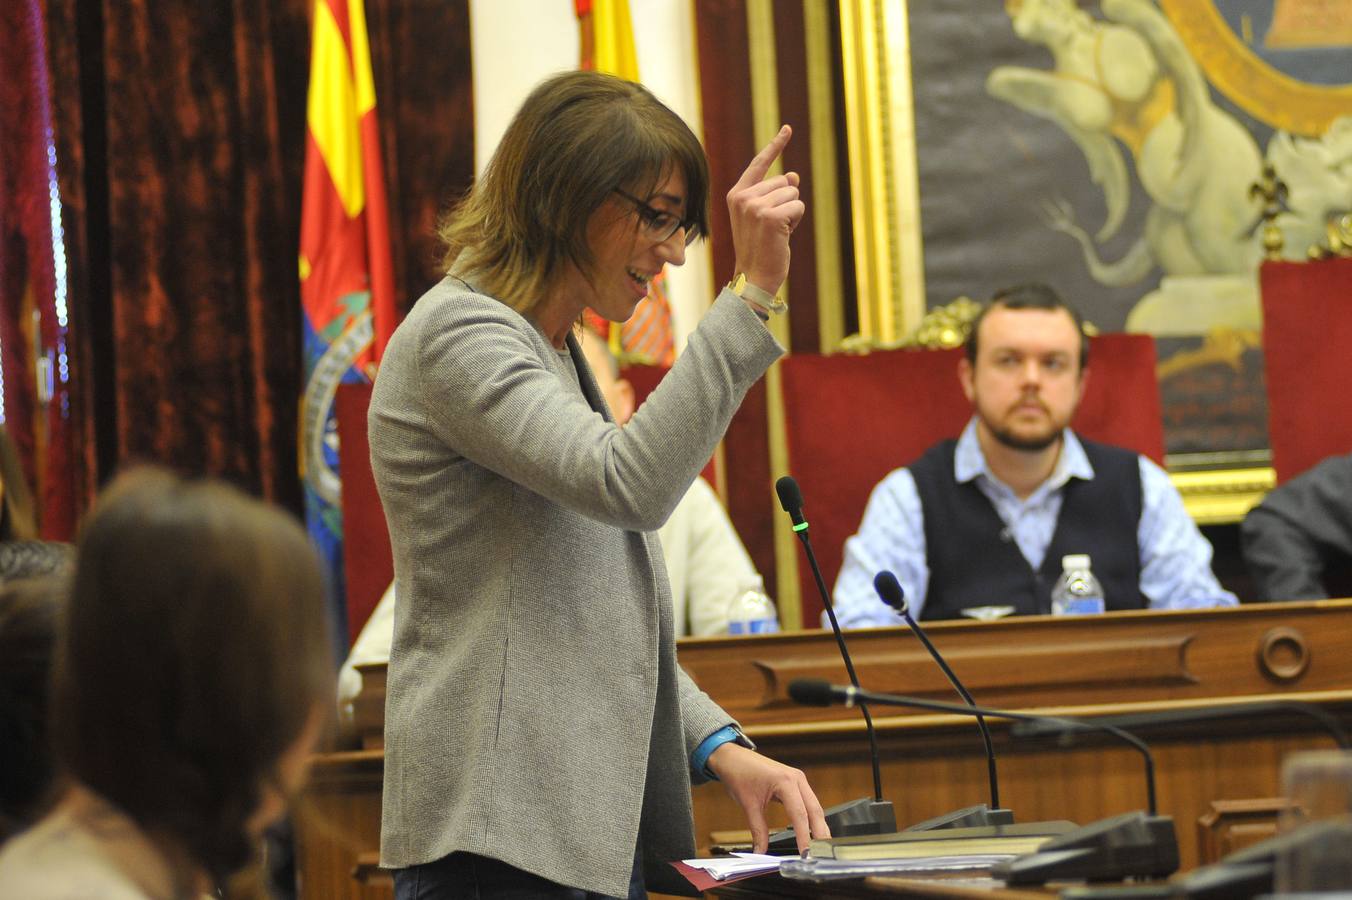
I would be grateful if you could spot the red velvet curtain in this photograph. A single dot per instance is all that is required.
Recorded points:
(424, 92)
(180, 133)
(41, 419)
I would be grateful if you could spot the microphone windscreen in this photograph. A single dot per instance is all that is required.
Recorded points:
(790, 497)
(812, 692)
(889, 589)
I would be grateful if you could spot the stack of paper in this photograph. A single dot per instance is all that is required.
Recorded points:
(724, 868)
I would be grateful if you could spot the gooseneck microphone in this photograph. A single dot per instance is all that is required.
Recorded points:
(889, 589)
(815, 692)
(791, 498)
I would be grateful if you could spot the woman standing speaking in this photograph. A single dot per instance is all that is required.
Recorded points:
(540, 738)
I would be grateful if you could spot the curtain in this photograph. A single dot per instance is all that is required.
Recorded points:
(180, 130)
(40, 419)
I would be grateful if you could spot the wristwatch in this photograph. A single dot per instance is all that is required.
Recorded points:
(757, 296)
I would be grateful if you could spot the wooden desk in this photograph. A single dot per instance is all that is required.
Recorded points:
(1098, 665)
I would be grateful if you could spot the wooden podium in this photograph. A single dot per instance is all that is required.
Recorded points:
(1217, 780)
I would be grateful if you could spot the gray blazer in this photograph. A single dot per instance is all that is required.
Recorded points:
(535, 711)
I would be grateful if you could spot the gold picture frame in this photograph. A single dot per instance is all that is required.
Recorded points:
(889, 264)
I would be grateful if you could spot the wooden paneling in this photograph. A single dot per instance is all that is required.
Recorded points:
(1096, 665)
(1231, 825)
(1113, 663)
(338, 828)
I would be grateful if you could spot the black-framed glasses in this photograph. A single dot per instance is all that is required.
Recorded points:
(659, 224)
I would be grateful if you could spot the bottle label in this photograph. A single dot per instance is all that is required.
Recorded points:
(754, 626)
(1083, 606)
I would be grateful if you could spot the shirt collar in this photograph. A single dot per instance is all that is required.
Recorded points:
(969, 461)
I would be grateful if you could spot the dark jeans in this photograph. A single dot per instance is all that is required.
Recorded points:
(465, 876)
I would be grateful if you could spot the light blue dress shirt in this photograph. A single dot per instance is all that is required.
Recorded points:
(1175, 558)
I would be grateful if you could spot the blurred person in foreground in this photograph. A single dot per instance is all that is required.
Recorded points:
(192, 679)
(540, 738)
(29, 610)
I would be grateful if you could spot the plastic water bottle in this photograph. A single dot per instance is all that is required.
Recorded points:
(1077, 591)
(752, 612)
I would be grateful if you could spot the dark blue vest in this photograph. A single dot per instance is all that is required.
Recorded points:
(974, 561)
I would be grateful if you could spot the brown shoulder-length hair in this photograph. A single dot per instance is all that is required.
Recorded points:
(193, 653)
(578, 137)
(29, 611)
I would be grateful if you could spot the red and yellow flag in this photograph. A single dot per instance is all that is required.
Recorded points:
(345, 232)
(607, 40)
(346, 273)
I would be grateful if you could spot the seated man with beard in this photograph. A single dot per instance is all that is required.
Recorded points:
(986, 519)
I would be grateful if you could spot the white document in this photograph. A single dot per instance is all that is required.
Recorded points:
(724, 867)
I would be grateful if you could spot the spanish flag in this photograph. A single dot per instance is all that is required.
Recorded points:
(346, 273)
(607, 42)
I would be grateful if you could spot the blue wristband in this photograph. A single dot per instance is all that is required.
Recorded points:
(700, 758)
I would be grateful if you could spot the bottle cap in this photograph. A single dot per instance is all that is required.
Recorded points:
(1075, 561)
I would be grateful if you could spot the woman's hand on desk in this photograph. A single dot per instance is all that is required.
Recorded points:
(754, 780)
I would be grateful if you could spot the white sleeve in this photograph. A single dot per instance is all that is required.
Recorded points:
(717, 565)
(891, 536)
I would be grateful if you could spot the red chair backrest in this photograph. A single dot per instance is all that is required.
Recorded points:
(645, 380)
(849, 420)
(1307, 330)
(368, 566)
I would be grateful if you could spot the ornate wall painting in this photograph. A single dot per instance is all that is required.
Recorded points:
(1107, 147)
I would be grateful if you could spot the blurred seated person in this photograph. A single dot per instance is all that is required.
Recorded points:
(29, 610)
(1299, 539)
(191, 681)
(705, 560)
(33, 584)
(985, 520)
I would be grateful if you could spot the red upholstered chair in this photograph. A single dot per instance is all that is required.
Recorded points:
(849, 420)
(645, 380)
(1307, 333)
(368, 566)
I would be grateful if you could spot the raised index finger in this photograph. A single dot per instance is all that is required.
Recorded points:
(765, 159)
